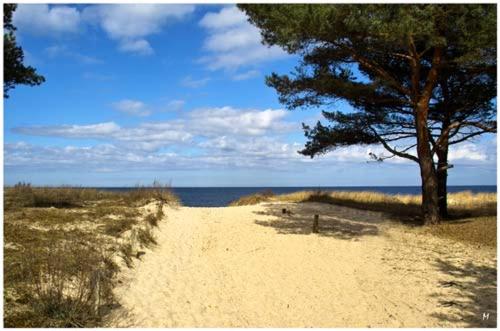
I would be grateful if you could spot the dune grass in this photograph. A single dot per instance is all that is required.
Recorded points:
(472, 215)
(461, 204)
(478, 231)
(24, 195)
(63, 247)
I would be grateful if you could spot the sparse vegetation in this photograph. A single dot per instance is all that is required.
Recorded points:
(472, 215)
(156, 192)
(480, 231)
(117, 227)
(126, 253)
(152, 219)
(145, 237)
(254, 199)
(60, 246)
(24, 195)
(462, 204)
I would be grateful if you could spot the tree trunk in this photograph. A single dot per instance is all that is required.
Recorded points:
(442, 179)
(442, 176)
(430, 202)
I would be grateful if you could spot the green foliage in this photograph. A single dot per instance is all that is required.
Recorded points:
(335, 41)
(15, 72)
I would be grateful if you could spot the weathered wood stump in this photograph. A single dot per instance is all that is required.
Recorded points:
(315, 224)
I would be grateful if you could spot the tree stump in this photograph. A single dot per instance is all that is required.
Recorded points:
(315, 223)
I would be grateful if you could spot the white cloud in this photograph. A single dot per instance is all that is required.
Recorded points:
(175, 105)
(132, 107)
(227, 17)
(161, 146)
(224, 120)
(139, 46)
(42, 19)
(56, 51)
(233, 42)
(130, 24)
(202, 124)
(71, 131)
(468, 152)
(189, 81)
(246, 75)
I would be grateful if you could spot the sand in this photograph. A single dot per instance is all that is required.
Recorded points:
(252, 266)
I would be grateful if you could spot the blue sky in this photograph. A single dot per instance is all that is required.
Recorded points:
(175, 93)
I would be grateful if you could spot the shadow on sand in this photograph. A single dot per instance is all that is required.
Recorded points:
(334, 221)
(474, 294)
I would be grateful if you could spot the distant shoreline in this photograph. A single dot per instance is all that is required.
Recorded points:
(223, 196)
(253, 187)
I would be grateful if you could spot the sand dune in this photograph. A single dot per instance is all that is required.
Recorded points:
(251, 266)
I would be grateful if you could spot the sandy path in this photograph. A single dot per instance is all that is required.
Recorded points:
(252, 267)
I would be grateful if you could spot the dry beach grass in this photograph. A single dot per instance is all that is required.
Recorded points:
(473, 215)
(63, 248)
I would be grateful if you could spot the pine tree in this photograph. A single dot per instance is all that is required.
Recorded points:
(15, 72)
(407, 70)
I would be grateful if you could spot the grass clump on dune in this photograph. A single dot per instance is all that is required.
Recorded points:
(254, 199)
(117, 227)
(63, 246)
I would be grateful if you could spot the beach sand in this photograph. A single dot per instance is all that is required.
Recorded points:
(252, 266)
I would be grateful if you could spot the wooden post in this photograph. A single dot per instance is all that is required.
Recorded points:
(283, 211)
(315, 223)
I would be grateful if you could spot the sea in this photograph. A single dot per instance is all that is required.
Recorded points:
(222, 196)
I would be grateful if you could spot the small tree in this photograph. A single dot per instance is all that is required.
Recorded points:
(402, 54)
(15, 72)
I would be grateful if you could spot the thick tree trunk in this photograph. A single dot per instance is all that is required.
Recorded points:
(430, 202)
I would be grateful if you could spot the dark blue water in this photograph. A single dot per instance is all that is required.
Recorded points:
(222, 196)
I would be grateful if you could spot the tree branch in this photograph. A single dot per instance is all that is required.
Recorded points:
(392, 150)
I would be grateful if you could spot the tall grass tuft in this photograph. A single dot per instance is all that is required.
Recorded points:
(156, 192)
(69, 285)
(145, 237)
